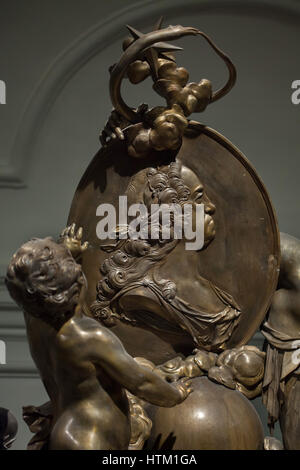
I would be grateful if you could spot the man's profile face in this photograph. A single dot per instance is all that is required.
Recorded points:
(198, 196)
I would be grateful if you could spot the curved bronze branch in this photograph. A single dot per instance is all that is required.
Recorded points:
(143, 43)
(133, 51)
(231, 68)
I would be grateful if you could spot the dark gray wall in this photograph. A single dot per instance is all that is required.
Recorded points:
(54, 58)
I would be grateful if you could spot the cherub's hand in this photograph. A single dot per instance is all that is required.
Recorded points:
(73, 240)
(112, 129)
(172, 370)
(184, 388)
(116, 123)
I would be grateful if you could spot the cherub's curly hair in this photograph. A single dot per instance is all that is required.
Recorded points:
(41, 282)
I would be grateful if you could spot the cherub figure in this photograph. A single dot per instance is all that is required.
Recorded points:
(83, 365)
(281, 386)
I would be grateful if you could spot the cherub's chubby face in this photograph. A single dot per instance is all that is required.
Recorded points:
(44, 279)
(198, 196)
(67, 274)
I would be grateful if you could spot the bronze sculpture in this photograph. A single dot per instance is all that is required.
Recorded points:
(282, 332)
(182, 314)
(78, 360)
(237, 303)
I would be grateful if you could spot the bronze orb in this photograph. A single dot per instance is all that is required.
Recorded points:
(213, 417)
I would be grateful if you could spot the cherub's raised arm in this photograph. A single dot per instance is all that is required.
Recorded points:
(72, 239)
(110, 355)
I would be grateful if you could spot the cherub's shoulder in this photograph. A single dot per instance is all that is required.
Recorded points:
(83, 329)
(88, 328)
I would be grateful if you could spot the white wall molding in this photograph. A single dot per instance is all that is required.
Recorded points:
(14, 173)
(12, 333)
(18, 370)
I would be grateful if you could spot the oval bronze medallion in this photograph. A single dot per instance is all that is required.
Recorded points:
(167, 300)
